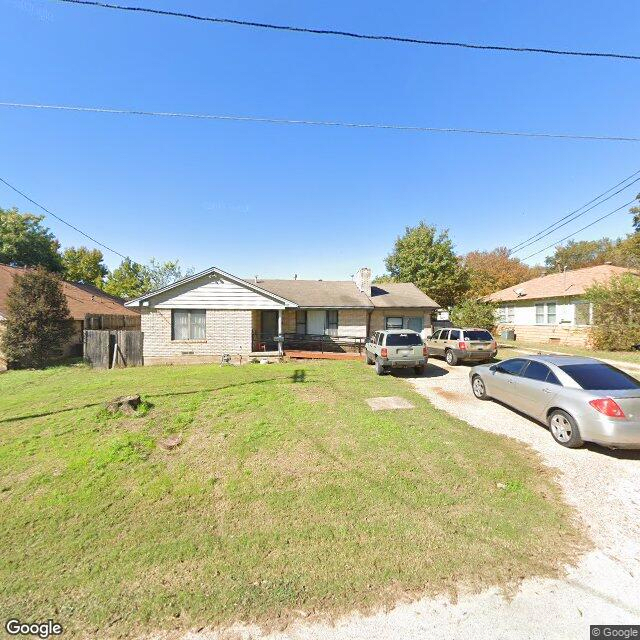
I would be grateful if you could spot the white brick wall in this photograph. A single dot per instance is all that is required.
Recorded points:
(227, 331)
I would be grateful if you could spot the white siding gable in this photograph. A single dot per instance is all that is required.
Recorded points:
(212, 292)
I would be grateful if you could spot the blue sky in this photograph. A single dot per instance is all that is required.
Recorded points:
(277, 200)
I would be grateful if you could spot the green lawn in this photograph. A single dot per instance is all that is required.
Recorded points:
(622, 356)
(288, 494)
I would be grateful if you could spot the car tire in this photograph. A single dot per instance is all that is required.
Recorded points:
(368, 358)
(564, 429)
(380, 370)
(451, 358)
(418, 370)
(478, 388)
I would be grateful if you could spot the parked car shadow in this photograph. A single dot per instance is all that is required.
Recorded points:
(621, 454)
(432, 370)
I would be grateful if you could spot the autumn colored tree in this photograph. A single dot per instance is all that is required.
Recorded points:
(495, 270)
(582, 253)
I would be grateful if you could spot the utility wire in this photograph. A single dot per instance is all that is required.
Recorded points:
(557, 226)
(321, 123)
(86, 235)
(350, 34)
(557, 242)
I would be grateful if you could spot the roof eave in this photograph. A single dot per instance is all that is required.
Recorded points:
(137, 302)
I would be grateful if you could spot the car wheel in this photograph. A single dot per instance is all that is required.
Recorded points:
(479, 390)
(451, 358)
(380, 370)
(419, 370)
(564, 429)
(368, 358)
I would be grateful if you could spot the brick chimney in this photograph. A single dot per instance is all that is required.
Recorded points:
(362, 278)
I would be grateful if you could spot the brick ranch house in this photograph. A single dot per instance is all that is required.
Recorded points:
(552, 308)
(88, 306)
(212, 313)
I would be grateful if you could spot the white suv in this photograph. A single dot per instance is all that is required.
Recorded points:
(396, 348)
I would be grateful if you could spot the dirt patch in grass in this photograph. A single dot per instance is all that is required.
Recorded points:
(448, 395)
(287, 494)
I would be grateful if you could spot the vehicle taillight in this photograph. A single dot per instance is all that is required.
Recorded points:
(462, 346)
(384, 352)
(425, 351)
(608, 407)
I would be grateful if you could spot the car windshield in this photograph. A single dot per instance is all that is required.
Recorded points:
(403, 339)
(477, 335)
(601, 376)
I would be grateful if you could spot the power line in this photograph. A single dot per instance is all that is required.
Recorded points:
(538, 236)
(351, 34)
(86, 235)
(322, 123)
(557, 242)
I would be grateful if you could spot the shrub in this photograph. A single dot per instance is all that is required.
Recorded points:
(474, 313)
(616, 313)
(38, 324)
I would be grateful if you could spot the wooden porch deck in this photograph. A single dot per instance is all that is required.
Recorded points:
(321, 355)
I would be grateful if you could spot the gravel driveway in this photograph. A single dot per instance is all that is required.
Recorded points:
(604, 588)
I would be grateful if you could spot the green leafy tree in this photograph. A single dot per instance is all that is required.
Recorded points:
(25, 242)
(38, 324)
(426, 258)
(582, 253)
(84, 265)
(635, 211)
(162, 274)
(616, 313)
(474, 313)
(129, 280)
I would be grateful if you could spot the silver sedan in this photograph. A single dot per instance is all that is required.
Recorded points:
(580, 399)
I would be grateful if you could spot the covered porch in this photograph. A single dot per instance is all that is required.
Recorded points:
(316, 331)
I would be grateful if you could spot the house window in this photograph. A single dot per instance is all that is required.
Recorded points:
(540, 314)
(415, 324)
(583, 313)
(393, 323)
(301, 322)
(189, 325)
(551, 313)
(332, 322)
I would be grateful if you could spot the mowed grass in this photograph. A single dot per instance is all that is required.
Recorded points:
(288, 494)
(507, 348)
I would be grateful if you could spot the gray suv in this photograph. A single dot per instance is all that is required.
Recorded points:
(458, 344)
(395, 348)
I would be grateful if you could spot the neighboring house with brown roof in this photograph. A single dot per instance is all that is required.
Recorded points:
(552, 308)
(213, 312)
(84, 301)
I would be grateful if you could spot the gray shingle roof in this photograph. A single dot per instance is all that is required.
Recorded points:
(400, 294)
(317, 293)
(344, 294)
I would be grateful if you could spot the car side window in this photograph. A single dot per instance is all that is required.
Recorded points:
(380, 337)
(444, 335)
(454, 334)
(536, 371)
(552, 379)
(511, 367)
(435, 335)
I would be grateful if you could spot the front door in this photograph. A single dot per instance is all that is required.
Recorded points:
(269, 328)
(316, 322)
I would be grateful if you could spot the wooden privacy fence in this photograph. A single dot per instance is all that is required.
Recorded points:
(108, 349)
(111, 321)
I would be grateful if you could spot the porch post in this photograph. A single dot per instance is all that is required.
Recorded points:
(280, 344)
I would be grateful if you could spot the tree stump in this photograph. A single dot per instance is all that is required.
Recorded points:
(124, 404)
